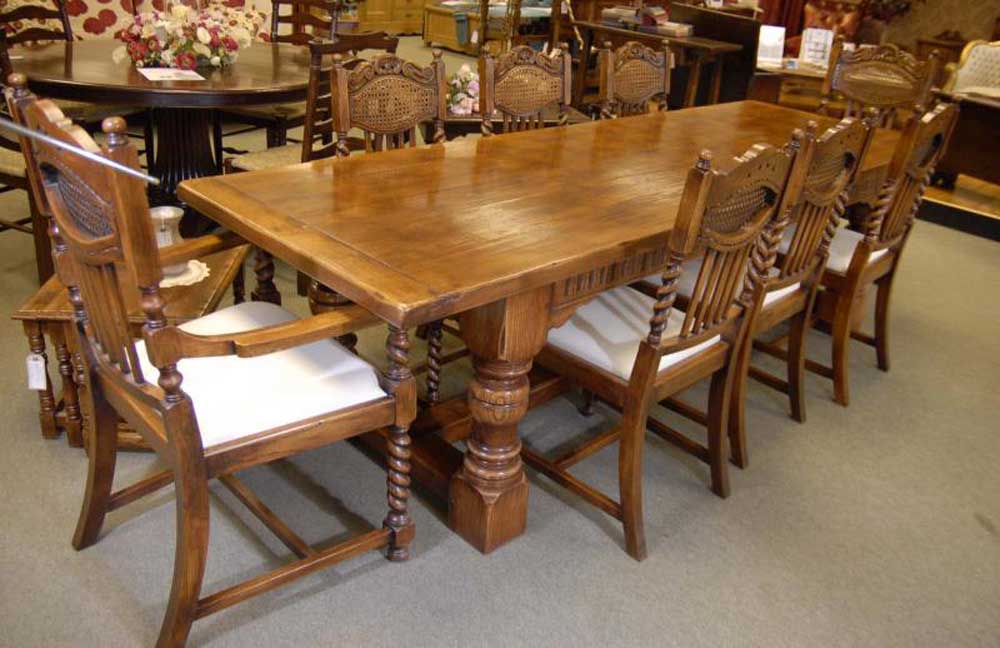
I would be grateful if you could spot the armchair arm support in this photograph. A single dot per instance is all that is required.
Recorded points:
(199, 247)
(173, 344)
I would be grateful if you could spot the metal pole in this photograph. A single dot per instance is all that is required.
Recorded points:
(7, 124)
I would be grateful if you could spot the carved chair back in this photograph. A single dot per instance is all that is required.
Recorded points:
(520, 84)
(104, 244)
(387, 98)
(34, 23)
(827, 166)
(924, 141)
(732, 220)
(307, 20)
(883, 77)
(632, 76)
(318, 139)
(979, 66)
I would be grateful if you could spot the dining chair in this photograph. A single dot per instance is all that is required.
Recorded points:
(519, 84)
(858, 261)
(633, 350)
(318, 134)
(631, 77)
(882, 77)
(296, 22)
(241, 387)
(825, 171)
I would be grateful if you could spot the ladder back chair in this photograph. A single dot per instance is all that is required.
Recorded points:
(185, 388)
(858, 261)
(631, 77)
(821, 181)
(882, 77)
(632, 350)
(519, 84)
(296, 22)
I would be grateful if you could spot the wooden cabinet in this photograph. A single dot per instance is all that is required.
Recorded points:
(393, 16)
(439, 29)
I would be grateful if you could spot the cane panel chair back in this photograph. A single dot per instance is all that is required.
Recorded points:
(831, 164)
(722, 218)
(924, 141)
(882, 77)
(35, 23)
(306, 20)
(387, 98)
(632, 76)
(319, 135)
(978, 67)
(519, 84)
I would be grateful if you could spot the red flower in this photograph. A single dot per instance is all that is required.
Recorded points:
(137, 50)
(230, 43)
(186, 61)
(153, 45)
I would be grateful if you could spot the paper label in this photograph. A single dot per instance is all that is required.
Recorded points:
(36, 372)
(475, 36)
(170, 74)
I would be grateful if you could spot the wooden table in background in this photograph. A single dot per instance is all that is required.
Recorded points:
(692, 51)
(509, 234)
(85, 71)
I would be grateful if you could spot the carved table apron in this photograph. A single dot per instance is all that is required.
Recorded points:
(509, 234)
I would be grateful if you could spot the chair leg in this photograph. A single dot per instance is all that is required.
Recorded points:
(434, 347)
(796, 364)
(718, 415)
(737, 405)
(632, 441)
(35, 333)
(100, 473)
(840, 332)
(882, 322)
(191, 492)
(587, 408)
(398, 487)
(217, 142)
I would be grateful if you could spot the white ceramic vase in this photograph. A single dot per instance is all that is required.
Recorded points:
(167, 224)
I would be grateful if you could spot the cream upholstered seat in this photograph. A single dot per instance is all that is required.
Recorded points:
(841, 248)
(296, 384)
(268, 158)
(692, 267)
(12, 163)
(607, 330)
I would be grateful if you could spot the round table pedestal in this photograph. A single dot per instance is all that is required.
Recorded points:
(183, 151)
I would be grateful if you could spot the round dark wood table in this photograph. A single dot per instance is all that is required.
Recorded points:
(181, 110)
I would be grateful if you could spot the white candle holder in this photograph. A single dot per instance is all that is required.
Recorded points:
(167, 224)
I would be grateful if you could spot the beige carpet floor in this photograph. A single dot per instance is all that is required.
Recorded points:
(876, 525)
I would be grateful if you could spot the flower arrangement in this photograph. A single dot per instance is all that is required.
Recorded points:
(187, 38)
(463, 92)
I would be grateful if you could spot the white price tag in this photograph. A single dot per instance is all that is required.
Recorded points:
(475, 36)
(36, 372)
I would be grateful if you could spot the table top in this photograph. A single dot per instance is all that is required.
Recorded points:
(51, 302)
(692, 42)
(422, 233)
(86, 71)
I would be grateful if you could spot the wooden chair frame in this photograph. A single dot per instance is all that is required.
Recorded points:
(733, 220)
(883, 77)
(632, 76)
(101, 230)
(841, 299)
(519, 84)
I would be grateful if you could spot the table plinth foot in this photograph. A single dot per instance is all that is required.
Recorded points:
(487, 518)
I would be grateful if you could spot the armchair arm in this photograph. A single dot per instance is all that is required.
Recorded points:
(199, 247)
(171, 344)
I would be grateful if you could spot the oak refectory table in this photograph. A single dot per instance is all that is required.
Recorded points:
(509, 234)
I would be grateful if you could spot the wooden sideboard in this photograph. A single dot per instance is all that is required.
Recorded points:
(439, 28)
(393, 16)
